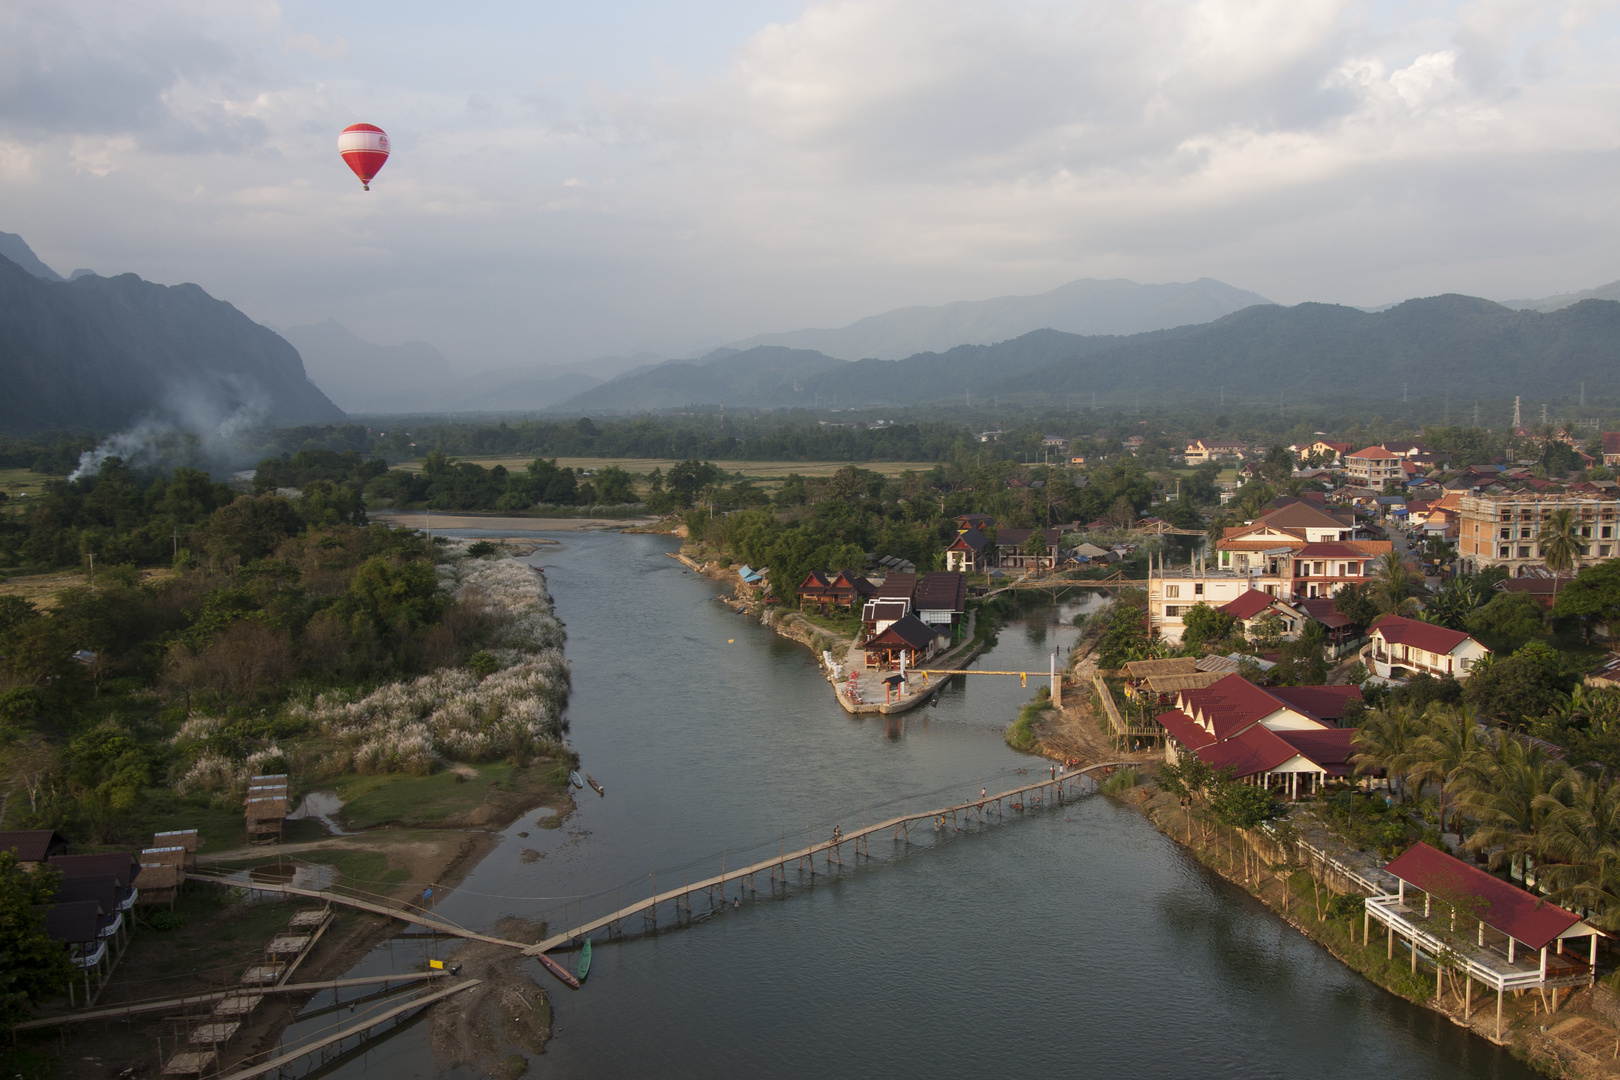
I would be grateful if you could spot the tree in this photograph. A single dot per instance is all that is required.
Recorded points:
(252, 527)
(1035, 547)
(1356, 603)
(1242, 805)
(1594, 595)
(33, 968)
(1393, 585)
(1508, 621)
(1507, 788)
(1444, 751)
(1203, 624)
(1528, 683)
(1384, 740)
(1560, 541)
(1121, 513)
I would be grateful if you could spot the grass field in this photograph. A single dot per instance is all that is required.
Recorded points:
(22, 482)
(446, 798)
(760, 470)
(42, 589)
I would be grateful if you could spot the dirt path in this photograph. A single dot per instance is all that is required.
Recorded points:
(1076, 731)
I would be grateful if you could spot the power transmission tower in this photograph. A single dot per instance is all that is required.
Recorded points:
(1517, 421)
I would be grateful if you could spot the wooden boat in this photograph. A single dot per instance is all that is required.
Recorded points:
(558, 970)
(591, 780)
(585, 960)
(573, 778)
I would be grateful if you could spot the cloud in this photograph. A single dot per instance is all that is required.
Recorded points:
(854, 155)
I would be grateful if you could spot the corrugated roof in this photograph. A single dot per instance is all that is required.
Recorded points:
(908, 633)
(1527, 919)
(33, 845)
(120, 864)
(1318, 702)
(1175, 665)
(1328, 747)
(1184, 729)
(1256, 750)
(942, 590)
(897, 587)
(76, 921)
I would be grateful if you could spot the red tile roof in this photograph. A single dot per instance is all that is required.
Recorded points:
(1318, 702)
(1184, 729)
(1257, 750)
(1611, 442)
(1399, 630)
(1328, 550)
(1230, 705)
(1528, 919)
(1328, 747)
(1375, 452)
(1248, 605)
(1321, 609)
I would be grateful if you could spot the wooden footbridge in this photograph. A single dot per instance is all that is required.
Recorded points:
(1054, 789)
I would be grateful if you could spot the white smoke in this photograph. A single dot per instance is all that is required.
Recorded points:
(198, 430)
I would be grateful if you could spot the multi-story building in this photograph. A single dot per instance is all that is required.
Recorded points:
(1501, 529)
(1201, 450)
(1373, 467)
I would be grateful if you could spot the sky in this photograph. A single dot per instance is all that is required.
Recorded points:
(570, 181)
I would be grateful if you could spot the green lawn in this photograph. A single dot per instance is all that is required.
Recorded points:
(434, 800)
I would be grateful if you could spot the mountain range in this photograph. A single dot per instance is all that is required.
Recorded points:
(1430, 347)
(101, 354)
(1088, 306)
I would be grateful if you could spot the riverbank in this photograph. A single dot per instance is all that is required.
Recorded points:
(422, 519)
(1302, 889)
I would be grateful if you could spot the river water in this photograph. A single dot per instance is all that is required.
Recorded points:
(1077, 940)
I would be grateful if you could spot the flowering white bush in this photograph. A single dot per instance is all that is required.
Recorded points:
(411, 725)
(217, 773)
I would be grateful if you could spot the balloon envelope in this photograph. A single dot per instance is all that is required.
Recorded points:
(364, 148)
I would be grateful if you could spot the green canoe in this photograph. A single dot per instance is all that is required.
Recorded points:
(585, 960)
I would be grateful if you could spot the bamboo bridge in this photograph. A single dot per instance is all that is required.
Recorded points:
(1054, 789)
(1057, 785)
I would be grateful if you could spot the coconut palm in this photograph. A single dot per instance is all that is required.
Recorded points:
(1560, 541)
(1393, 585)
(1580, 846)
(1443, 753)
(1384, 739)
(1505, 787)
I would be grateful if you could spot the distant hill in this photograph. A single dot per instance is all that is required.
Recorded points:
(1088, 306)
(16, 249)
(357, 374)
(416, 378)
(1310, 352)
(103, 353)
(1611, 291)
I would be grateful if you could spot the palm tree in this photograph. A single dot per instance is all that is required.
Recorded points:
(1506, 788)
(1580, 846)
(1560, 540)
(1394, 584)
(1452, 742)
(1383, 741)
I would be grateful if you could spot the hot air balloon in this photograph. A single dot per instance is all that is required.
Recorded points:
(364, 147)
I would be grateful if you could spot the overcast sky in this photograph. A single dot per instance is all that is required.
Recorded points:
(571, 180)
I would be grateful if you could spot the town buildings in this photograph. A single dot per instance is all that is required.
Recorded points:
(1284, 736)
(1500, 529)
(1373, 467)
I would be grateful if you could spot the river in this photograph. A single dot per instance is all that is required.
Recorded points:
(1076, 940)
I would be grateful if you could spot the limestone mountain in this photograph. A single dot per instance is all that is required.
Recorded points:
(1088, 306)
(99, 354)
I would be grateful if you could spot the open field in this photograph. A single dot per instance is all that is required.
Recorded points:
(757, 469)
(22, 482)
(42, 589)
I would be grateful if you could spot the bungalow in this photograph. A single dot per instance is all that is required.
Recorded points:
(1250, 606)
(1010, 553)
(981, 522)
(969, 553)
(878, 615)
(1495, 932)
(849, 588)
(1411, 645)
(1055, 440)
(1282, 736)
(813, 589)
(941, 598)
(905, 642)
(33, 846)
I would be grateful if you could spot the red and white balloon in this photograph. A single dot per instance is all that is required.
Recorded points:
(364, 148)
